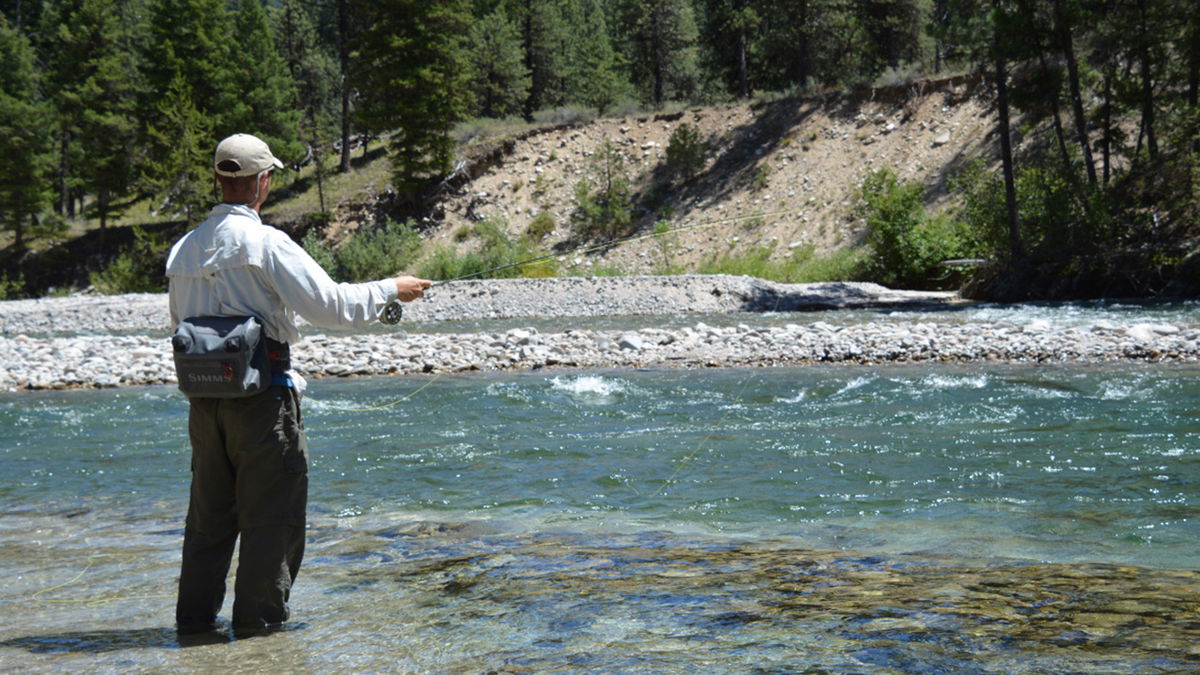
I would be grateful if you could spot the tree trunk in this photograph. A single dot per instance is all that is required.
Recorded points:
(1010, 191)
(64, 190)
(18, 230)
(102, 208)
(1060, 134)
(1193, 92)
(1067, 45)
(1107, 142)
(1193, 95)
(344, 58)
(1147, 87)
(659, 51)
(743, 77)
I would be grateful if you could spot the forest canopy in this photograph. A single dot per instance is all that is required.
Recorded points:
(106, 103)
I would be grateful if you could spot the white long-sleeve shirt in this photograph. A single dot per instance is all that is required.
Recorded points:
(234, 265)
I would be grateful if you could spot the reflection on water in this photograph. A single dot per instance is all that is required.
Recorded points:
(894, 519)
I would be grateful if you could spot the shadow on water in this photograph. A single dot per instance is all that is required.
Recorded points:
(105, 641)
(99, 641)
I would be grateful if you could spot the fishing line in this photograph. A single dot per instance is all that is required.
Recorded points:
(94, 600)
(385, 406)
(708, 437)
(615, 242)
(682, 464)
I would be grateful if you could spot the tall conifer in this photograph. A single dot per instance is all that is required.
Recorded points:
(315, 70)
(182, 141)
(24, 156)
(412, 74)
(90, 60)
(193, 39)
(499, 77)
(594, 73)
(546, 38)
(264, 100)
(661, 38)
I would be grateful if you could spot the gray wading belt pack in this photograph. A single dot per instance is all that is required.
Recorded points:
(225, 356)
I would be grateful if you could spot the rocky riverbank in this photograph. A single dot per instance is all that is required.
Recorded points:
(121, 340)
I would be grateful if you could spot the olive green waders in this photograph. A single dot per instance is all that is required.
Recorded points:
(249, 478)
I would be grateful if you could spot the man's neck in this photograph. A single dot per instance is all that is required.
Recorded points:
(229, 202)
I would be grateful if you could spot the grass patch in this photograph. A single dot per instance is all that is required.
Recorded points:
(802, 266)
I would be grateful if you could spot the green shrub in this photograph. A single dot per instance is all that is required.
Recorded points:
(761, 178)
(541, 225)
(139, 268)
(907, 245)
(498, 257)
(1059, 215)
(842, 265)
(379, 253)
(567, 114)
(603, 198)
(315, 245)
(11, 289)
(686, 152)
(668, 243)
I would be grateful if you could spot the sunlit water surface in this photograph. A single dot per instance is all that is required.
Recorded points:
(839, 519)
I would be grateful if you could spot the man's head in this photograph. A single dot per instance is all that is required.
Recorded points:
(243, 164)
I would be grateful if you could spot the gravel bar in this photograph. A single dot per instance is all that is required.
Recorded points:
(110, 341)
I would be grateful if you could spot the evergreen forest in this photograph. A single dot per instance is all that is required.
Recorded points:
(111, 105)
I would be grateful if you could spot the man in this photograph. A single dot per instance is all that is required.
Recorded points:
(249, 454)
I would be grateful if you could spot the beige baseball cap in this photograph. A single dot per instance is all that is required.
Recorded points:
(244, 155)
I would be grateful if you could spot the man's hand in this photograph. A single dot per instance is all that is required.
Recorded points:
(410, 288)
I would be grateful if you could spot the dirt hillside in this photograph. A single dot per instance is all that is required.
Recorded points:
(798, 161)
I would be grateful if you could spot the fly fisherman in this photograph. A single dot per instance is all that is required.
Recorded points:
(249, 452)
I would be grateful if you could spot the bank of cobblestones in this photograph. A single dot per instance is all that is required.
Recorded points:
(35, 356)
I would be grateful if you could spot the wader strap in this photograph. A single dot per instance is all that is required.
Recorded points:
(280, 355)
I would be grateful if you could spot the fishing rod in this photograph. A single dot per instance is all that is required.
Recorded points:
(393, 312)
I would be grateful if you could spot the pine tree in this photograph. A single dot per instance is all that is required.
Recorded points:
(895, 29)
(182, 140)
(594, 76)
(412, 75)
(192, 39)
(499, 77)
(787, 50)
(265, 104)
(315, 71)
(24, 156)
(732, 25)
(662, 44)
(95, 74)
(313, 67)
(546, 38)
(22, 14)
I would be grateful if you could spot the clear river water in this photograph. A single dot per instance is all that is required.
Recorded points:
(847, 519)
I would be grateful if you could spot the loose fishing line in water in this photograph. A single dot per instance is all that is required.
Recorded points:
(95, 600)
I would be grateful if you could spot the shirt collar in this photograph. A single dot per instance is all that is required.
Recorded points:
(226, 209)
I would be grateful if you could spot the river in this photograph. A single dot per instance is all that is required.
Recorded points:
(837, 519)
